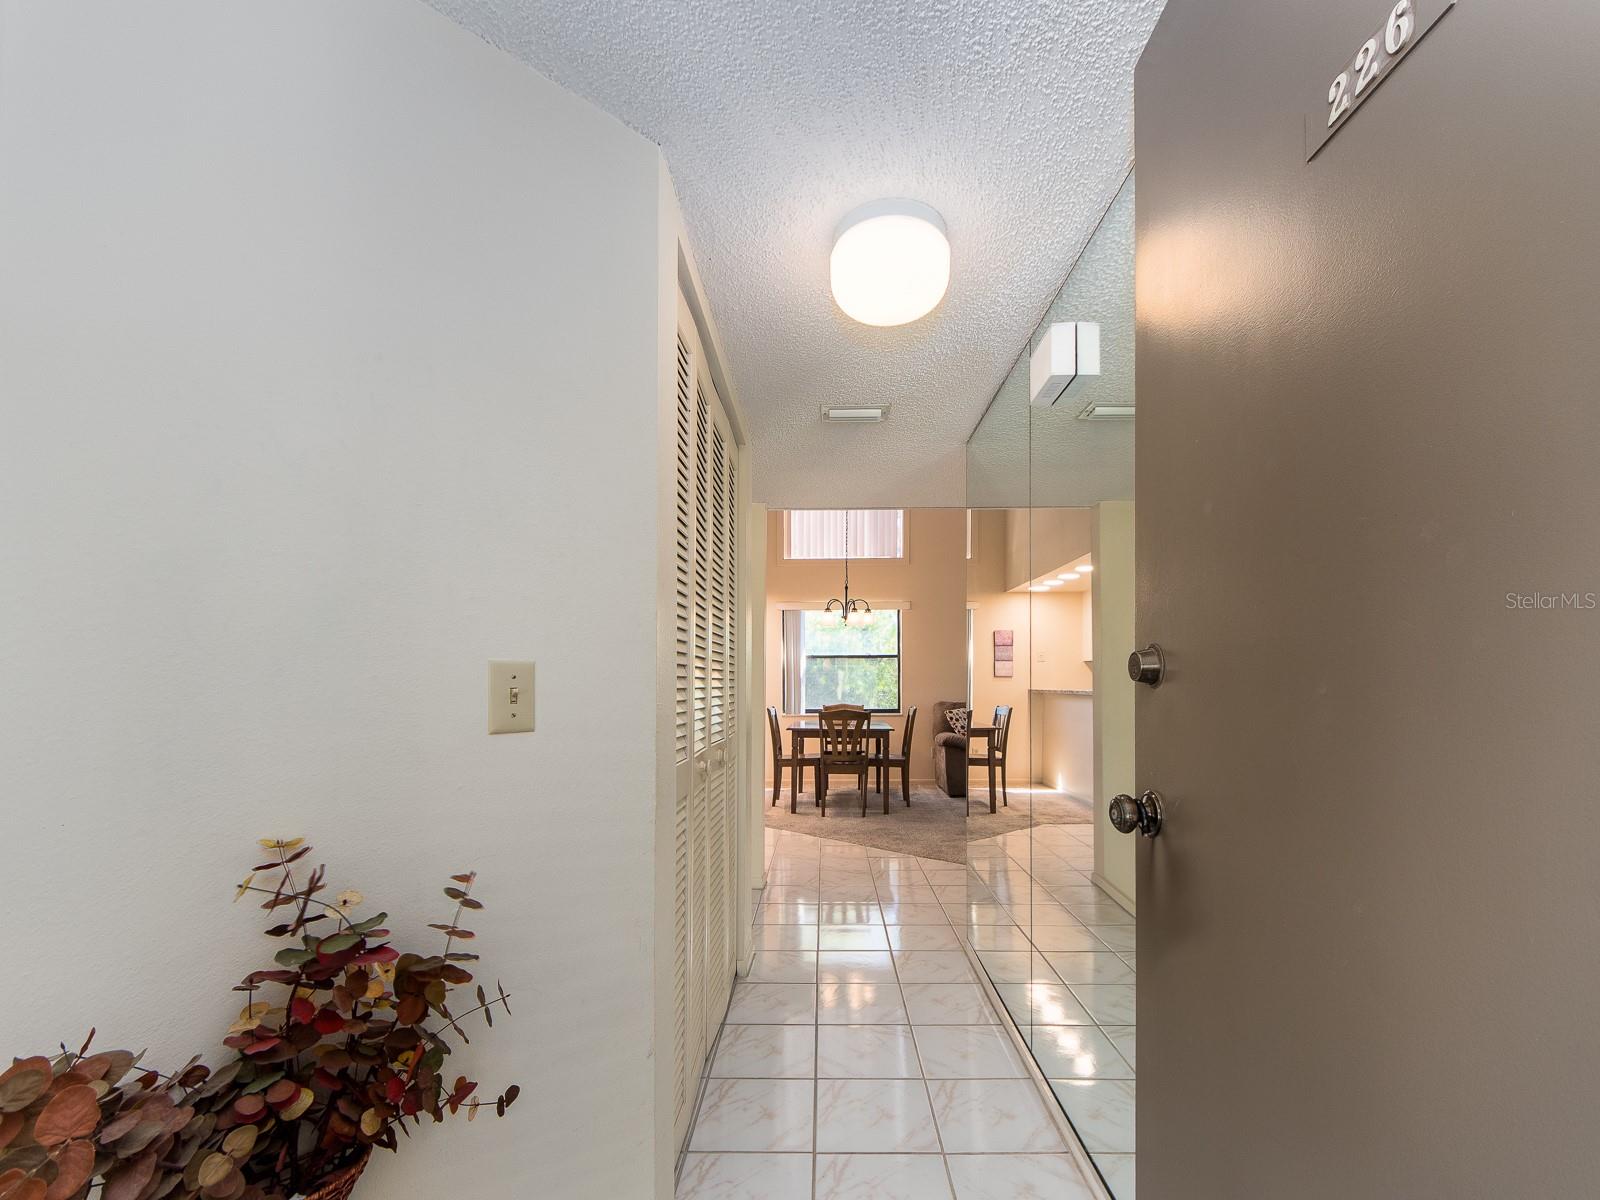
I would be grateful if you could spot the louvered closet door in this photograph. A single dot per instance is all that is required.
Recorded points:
(705, 634)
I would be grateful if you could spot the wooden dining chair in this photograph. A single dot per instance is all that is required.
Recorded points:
(844, 748)
(994, 755)
(780, 760)
(903, 761)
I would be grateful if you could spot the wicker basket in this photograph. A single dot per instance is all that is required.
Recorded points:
(342, 1182)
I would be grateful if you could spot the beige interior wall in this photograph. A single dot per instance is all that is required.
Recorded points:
(993, 607)
(931, 578)
(1113, 699)
(1063, 742)
(1043, 539)
(1049, 643)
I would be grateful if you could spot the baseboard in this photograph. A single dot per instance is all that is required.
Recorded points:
(1116, 893)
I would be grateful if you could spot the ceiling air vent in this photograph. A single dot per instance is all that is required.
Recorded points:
(854, 414)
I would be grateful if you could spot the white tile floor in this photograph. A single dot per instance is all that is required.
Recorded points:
(1072, 993)
(861, 1060)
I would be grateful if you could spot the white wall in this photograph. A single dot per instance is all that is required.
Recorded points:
(1114, 863)
(331, 343)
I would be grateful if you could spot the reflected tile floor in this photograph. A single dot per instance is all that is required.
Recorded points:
(1072, 998)
(861, 1060)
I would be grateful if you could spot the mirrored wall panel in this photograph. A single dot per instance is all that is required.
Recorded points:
(1050, 903)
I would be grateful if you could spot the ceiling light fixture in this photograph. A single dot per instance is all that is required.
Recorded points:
(1084, 567)
(855, 612)
(1067, 349)
(890, 263)
(1038, 587)
(1068, 577)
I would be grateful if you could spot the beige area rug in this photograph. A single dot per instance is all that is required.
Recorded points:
(935, 826)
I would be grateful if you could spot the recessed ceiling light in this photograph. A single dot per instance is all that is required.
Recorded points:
(1084, 567)
(1051, 583)
(1038, 587)
(1068, 577)
(890, 262)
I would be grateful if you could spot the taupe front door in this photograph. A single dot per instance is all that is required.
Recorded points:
(1369, 541)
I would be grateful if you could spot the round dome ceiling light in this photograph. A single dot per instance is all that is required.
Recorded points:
(890, 263)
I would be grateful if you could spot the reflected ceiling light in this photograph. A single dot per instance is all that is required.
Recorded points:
(1068, 577)
(1067, 349)
(890, 262)
(1051, 583)
(1038, 587)
(1084, 567)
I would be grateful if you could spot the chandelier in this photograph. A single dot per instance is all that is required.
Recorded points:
(855, 612)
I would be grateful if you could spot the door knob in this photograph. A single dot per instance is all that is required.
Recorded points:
(1147, 665)
(1143, 814)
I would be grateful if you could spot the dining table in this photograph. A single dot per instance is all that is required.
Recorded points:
(801, 731)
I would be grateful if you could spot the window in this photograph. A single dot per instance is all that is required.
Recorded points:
(826, 661)
(819, 533)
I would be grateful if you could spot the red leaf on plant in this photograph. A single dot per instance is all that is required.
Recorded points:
(23, 1082)
(14, 1185)
(302, 1010)
(281, 1093)
(74, 1165)
(129, 1183)
(378, 954)
(337, 943)
(248, 1108)
(329, 1021)
(326, 1080)
(393, 1089)
(260, 1045)
(10, 1126)
(411, 1009)
(72, 1112)
(467, 878)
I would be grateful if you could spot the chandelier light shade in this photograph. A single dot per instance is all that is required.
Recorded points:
(852, 610)
(890, 262)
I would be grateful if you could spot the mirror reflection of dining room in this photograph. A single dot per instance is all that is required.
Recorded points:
(907, 684)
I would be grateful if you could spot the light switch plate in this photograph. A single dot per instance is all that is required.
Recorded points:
(510, 697)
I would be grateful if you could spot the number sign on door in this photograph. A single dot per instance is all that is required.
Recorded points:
(1407, 22)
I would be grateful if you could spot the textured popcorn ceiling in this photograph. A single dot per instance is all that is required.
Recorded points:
(1013, 119)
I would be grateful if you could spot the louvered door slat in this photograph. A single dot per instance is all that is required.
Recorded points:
(683, 552)
(705, 656)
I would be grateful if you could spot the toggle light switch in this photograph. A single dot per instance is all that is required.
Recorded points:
(510, 697)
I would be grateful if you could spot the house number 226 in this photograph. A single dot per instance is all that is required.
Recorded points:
(1407, 22)
(1396, 35)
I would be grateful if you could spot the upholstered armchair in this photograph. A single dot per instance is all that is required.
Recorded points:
(949, 751)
